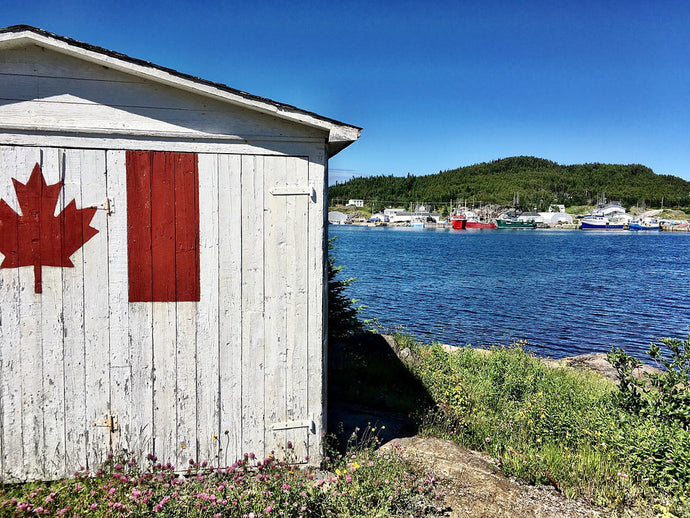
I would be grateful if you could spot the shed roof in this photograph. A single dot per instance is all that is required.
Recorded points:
(340, 135)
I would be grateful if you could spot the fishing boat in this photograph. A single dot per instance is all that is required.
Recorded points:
(596, 222)
(458, 221)
(511, 222)
(474, 221)
(606, 216)
(644, 224)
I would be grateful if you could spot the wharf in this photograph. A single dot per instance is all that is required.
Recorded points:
(675, 228)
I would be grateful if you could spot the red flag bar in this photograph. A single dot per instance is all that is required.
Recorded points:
(163, 226)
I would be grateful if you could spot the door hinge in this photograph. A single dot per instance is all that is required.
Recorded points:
(108, 206)
(109, 422)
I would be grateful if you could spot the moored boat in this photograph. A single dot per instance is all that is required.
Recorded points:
(507, 222)
(458, 221)
(602, 223)
(610, 216)
(644, 224)
(474, 221)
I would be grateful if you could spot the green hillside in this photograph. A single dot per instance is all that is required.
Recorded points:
(535, 181)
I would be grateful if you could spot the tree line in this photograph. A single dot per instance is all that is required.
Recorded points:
(524, 181)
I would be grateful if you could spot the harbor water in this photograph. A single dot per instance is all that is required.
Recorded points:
(563, 292)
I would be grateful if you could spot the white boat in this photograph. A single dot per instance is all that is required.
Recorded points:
(610, 216)
(591, 222)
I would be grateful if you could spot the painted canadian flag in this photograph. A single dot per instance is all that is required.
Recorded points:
(162, 227)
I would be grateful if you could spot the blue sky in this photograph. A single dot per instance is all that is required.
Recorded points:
(435, 85)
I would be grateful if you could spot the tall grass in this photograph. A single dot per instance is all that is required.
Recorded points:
(554, 425)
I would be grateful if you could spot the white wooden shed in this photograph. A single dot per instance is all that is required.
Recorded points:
(162, 288)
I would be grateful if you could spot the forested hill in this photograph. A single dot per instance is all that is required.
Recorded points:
(535, 181)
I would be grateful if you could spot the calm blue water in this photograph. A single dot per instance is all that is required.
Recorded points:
(564, 292)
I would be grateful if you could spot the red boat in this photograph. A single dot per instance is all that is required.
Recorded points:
(479, 224)
(458, 221)
(473, 221)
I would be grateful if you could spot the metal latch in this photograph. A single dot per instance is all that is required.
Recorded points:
(294, 191)
(290, 425)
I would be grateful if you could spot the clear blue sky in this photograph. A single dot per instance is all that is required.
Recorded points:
(435, 85)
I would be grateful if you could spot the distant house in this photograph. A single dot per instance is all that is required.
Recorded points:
(392, 212)
(356, 203)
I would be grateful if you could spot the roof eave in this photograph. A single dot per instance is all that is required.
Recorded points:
(340, 135)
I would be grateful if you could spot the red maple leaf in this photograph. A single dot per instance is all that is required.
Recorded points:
(38, 237)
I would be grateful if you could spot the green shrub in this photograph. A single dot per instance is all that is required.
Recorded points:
(662, 396)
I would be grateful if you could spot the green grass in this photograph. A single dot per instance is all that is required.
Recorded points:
(554, 425)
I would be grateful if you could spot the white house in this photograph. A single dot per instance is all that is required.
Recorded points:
(163, 281)
(356, 203)
(392, 212)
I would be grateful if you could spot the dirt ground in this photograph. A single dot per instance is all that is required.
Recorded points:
(474, 487)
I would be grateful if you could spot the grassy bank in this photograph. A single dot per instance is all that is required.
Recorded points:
(555, 426)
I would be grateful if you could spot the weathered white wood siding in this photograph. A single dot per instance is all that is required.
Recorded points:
(83, 371)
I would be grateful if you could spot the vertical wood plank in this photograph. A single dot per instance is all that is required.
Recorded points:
(231, 241)
(277, 249)
(164, 381)
(124, 404)
(31, 367)
(297, 278)
(140, 324)
(163, 226)
(96, 314)
(53, 402)
(186, 208)
(186, 387)
(164, 314)
(139, 214)
(208, 354)
(11, 451)
(253, 334)
(317, 296)
(186, 180)
(140, 289)
(73, 318)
